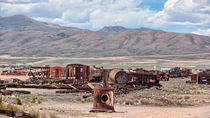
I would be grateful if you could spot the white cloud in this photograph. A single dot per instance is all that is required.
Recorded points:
(15, 1)
(95, 14)
(17, 8)
(192, 13)
(90, 13)
(85, 25)
(126, 17)
(202, 32)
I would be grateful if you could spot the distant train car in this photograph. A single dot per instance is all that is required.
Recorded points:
(185, 72)
(144, 77)
(175, 72)
(78, 73)
(179, 72)
(204, 77)
(57, 72)
(16, 71)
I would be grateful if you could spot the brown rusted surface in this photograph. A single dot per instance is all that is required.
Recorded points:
(96, 74)
(161, 75)
(78, 73)
(179, 72)
(175, 72)
(194, 78)
(204, 77)
(118, 76)
(103, 96)
(57, 72)
(200, 77)
(103, 100)
(141, 70)
(185, 72)
(16, 71)
(40, 72)
(143, 78)
(164, 76)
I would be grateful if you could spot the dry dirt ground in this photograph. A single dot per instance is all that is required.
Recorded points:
(175, 99)
(13, 76)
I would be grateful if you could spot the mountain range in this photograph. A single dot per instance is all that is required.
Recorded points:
(24, 36)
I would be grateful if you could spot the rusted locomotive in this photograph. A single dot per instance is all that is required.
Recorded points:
(118, 76)
(135, 77)
(103, 95)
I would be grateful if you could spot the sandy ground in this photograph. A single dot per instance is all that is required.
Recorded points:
(72, 106)
(13, 76)
(82, 111)
(122, 111)
(2, 116)
(175, 99)
(162, 112)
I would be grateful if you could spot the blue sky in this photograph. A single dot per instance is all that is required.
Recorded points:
(184, 16)
(156, 5)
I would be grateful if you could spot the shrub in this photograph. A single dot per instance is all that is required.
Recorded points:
(18, 100)
(33, 100)
(186, 97)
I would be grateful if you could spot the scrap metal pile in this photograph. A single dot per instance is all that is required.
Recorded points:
(200, 77)
(102, 84)
(75, 78)
(179, 72)
(16, 71)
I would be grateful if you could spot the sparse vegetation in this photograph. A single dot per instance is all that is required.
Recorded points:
(10, 107)
(186, 97)
(0, 99)
(33, 100)
(18, 101)
(173, 93)
(14, 83)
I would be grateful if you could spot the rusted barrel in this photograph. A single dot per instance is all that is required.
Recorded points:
(118, 76)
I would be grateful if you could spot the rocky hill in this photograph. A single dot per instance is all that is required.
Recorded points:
(23, 36)
(20, 23)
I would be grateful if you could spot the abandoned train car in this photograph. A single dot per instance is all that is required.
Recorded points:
(57, 72)
(179, 72)
(144, 77)
(202, 77)
(41, 72)
(78, 73)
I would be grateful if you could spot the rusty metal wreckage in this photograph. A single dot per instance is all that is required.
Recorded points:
(76, 76)
(102, 84)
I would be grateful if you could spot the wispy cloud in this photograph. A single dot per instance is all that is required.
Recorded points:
(202, 32)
